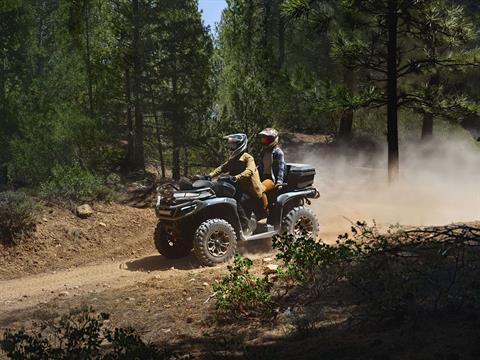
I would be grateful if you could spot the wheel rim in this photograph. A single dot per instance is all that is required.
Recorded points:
(304, 226)
(218, 244)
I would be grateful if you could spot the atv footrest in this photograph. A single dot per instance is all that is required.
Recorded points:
(263, 228)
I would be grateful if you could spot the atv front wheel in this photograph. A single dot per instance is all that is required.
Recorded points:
(215, 242)
(170, 243)
(300, 221)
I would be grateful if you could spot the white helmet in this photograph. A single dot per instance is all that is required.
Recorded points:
(237, 144)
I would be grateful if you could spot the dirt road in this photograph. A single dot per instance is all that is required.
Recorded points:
(29, 291)
(26, 292)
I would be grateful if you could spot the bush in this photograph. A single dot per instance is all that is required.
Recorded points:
(400, 272)
(312, 264)
(82, 334)
(242, 294)
(18, 216)
(75, 184)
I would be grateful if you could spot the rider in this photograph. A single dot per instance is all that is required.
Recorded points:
(272, 162)
(241, 166)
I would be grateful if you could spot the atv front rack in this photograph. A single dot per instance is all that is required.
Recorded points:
(169, 194)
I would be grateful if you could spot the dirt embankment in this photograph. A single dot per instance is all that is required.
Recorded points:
(63, 240)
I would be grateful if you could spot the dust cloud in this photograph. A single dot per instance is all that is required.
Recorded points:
(439, 184)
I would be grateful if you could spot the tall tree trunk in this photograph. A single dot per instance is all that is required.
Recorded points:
(392, 97)
(266, 24)
(88, 58)
(250, 33)
(130, 135)
(175, 160)
(158, 133)
(427, 125)
(346, 121)
(3, 162)
(176, 128)
(281, 41)
(185, 162)
(160, 147)
(139, 160)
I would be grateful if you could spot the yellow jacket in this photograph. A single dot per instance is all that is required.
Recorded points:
(246, 172)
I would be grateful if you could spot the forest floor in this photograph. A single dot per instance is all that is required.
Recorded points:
(109, 262)
(115, 269)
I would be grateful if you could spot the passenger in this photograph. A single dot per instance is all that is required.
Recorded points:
(241, 166)
(272, 162)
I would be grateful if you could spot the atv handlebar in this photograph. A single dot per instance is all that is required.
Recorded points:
(201, 177)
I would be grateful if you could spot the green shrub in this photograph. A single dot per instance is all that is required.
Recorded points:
(18, 216)
(313, 264)
(75, 184)
(82, 334)
(242, 294)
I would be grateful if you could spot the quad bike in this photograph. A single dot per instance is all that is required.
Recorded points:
(203, 215)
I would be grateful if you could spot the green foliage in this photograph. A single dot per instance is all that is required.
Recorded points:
(82, 334)
(397, 273)
(314, 264)
(75, 184)
(242, 294)
(18, 216)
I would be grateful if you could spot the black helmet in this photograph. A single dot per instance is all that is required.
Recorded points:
(237, 144)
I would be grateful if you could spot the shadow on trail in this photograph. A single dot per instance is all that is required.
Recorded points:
(246, 248)
(161, 263)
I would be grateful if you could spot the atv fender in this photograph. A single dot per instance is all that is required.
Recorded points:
(222, 208)
(291, 196)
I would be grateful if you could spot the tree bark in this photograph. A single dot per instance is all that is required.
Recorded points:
(266, 24)
(176, 161)
(88, 58)
(392, 97)
(157, 133)
(281, 42)
(346, 121)
(130, 134)
(139, 160)
(427, 125)
(176, 119)
(185, 164)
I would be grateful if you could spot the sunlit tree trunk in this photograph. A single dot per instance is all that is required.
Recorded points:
(139, 160)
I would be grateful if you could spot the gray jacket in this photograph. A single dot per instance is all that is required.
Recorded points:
(278, 165)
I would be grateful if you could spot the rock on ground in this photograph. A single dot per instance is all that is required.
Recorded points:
(84, 211)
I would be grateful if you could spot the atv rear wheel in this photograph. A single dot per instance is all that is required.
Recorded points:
(215, 242)
(300, 221)
(170, 243)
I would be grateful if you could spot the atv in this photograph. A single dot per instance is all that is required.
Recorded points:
(203, 215)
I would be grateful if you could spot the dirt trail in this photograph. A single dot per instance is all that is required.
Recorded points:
(26, 292)
(29, 291)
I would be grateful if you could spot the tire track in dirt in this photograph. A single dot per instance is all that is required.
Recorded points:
(28, 291)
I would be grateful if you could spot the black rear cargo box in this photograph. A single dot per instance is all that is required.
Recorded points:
(299, 176)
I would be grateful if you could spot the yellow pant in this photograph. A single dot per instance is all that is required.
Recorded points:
(269, 185)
